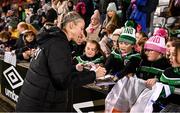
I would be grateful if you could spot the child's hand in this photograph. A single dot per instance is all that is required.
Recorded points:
(130, 75)
(7, 49)
(150, 82)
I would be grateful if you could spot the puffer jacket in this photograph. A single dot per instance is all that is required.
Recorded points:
(50, 75)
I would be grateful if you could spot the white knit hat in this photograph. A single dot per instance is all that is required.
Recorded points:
(156, 43)
(128, 35)
(117, 31)
(112, 7)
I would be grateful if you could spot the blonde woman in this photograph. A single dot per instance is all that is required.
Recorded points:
(111, 18)
(50, 73)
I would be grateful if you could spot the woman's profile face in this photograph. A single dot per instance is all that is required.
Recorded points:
(78, 29)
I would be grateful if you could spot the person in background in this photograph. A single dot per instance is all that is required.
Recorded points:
(143, 12)
(6, 42)
(51, 73)
(26, 49)
(30, 15)
(70, 5)
(169, 44)
(2, 22)
(124, 7)
(21, 13)
(111, 16)
(22, 27)
(116, 34)
(102, 7)
(106, 41)
(141, 38)
(54, 4)
(96, 4)
(94, 27)
(63, 8)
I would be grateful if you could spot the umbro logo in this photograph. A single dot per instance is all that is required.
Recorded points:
(13, 77)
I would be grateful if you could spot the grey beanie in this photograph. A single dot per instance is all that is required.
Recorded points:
(112, 7)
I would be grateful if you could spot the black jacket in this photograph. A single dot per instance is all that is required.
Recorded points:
(171, 77)
(50, 74)
(148, 69)
(77, 50)
(120, 66)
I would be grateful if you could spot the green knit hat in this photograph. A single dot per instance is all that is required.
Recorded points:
(128, 35)
(129, 23)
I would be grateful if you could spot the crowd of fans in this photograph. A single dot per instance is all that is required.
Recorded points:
(115, 36)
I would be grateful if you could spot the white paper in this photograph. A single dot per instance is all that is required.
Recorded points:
(105, 83)
(10, 58)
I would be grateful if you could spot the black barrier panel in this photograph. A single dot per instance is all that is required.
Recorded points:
(1, 62)
(87, 100)
(12, 80)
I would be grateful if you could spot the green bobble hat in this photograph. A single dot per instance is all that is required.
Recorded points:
(129, 23)
(128, 35)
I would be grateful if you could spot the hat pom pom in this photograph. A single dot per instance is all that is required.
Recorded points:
(129, 23)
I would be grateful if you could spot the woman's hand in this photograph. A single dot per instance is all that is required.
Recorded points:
(79, 67)
(100, 72)
(26, 54)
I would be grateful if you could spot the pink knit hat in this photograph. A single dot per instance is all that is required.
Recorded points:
(161, 32)
(156, 43)
(96, 15)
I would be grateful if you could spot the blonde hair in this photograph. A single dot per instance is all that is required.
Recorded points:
(27, 26)
(112, 20)
(23, 25)
(32, 28)
(70, 17)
